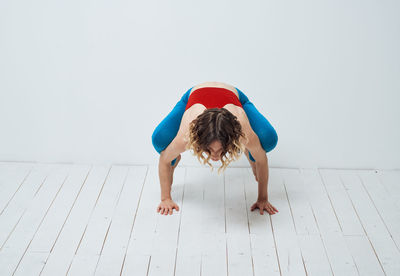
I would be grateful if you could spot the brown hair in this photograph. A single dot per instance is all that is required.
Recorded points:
(216, 124)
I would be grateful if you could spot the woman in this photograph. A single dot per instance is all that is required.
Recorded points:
(218, 120)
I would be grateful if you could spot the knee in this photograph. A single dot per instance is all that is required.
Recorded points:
(268, 138)
(158, 139)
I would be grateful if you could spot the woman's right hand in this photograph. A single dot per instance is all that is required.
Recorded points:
(166, 206)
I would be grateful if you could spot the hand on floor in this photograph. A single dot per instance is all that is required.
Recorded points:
(264, 205)
(166, 206)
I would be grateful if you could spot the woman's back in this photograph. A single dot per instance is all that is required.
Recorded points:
(195, 108)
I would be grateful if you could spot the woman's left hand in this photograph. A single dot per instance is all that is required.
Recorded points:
(264, 205)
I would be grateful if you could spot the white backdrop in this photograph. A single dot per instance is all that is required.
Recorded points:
(88, 81)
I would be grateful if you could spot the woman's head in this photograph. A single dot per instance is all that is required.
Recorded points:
(216, 132)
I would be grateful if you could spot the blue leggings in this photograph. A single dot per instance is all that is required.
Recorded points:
(166, 131)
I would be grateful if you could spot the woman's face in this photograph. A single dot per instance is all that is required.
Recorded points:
(216, 149)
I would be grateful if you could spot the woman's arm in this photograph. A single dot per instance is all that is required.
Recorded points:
(165, 170)
(262, 174)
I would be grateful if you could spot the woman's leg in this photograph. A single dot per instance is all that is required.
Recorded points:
(261, 126)
(166, 131)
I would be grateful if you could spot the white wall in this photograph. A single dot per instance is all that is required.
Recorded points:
(88, 81)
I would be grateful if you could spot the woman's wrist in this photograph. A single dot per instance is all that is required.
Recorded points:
(165, 198)
(262, 197)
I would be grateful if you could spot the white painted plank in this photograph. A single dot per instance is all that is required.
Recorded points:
(167, 227)
(237, 226)
(213, 208)
(98, 227)
(161, 264)
(365, 209)
(83, 265)
(265, 259)
(383, 201)
(388, 254)
(235, 203)
(189, 263)
(201, 246)
(239, 254)
(10, 216)
(297, 194)
(214, 241)
(311, 246)
(314, 255)
(325, 215)
(214, 257)
(52, 224)
(68, 241)
(12, 176)
(341, 202)
(110, 263)
(8, 260)
(380, 238)
(96, 231)
(364, 256)
(135, 264)
(31, 264)
(166, 233)
(141, 240)
(116, 243)
(290, 259)
(191, 237)
(339, 255)
(391, 181)
(19, 240)
(258, 224)
(213, 264)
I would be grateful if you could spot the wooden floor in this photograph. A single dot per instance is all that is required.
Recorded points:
(84, 220)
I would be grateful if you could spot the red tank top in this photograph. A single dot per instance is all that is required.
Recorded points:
(212, 97)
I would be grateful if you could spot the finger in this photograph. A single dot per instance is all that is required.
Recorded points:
(170, 211)
(166, 211)
(273, 207)
(177, 207)
(261, 211)
(271, 212)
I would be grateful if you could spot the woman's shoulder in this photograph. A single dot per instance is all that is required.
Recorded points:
(188, 116)
(246, 127)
